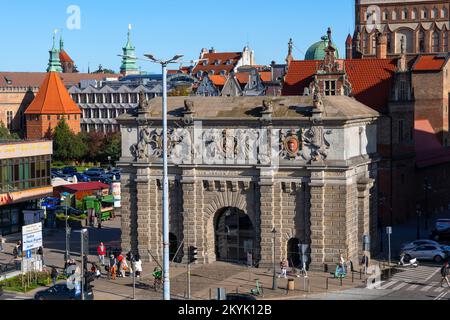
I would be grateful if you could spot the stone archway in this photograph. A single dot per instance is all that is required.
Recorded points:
(293, 252)
(235, 235)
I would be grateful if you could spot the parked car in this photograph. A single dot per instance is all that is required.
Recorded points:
(94, 172)
(62, 292)
(426, 252)
(440, 234)
(442, 224)
(116, 172)
(416, 243)
(81, 177)
(71, 171)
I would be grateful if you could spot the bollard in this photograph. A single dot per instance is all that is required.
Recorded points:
(327, 283)
(210, 294)
(340, 280)
(237, 290)
(353, 277)
(360, 274)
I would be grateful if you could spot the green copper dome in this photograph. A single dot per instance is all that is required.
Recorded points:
(317, 50)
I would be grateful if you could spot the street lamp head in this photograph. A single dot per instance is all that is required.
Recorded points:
(151, 57)
(176, 58)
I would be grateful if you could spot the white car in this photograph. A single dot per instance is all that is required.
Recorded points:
(426, 252)
(416, 243)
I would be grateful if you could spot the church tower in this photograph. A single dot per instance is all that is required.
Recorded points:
(54, 63)
(129, 61)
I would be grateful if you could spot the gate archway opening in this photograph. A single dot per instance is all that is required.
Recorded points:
(235, 236)
(294, 254)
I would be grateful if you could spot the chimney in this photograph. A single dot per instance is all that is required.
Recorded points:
(349, 47)
(381, 46)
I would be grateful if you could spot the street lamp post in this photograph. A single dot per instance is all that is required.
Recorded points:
(64, 198)
(418, 212)
(166, 260)
(274, 279)
(427, 187)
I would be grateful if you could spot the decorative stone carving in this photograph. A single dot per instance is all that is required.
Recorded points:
(317, 98)
(315, 139)
(140, 150)
(143, 106)
(214, 145)
(290, 144)
(181, 146)
(267, 110)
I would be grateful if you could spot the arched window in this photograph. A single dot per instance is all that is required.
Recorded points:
(436, 41)
(434, 13)
(424, 14)
(421, 41)
(404, 14)
(365, 43)
(394, 15)
(385, 15)
(414, 14)
(374, 44)
(444, 13)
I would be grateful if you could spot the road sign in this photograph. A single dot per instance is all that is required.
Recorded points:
(28, 254)
(32, 236)
(388, 230)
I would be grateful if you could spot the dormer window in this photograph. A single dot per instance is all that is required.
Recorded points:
(330, 87)
(228, 62)
(8, 81)
(199, 74)
(217, 62)
(211, 72)
(223, 73)
(205, 62)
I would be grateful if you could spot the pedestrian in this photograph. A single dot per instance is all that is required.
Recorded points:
(123, 268)
(19, 248)
(365, 263)
(2, 242)
(101, 250)
(40, 253)
(137, 267)
(54, 274)
(112, 267)
(283, 265)
(15, 252)
(444, 274)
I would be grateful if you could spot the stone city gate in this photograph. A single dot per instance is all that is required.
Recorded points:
(283, 164)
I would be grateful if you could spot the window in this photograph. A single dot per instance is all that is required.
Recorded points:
(421, 41)
(99, 97)
(211, 72)
(374, 44)
(68, 117)
(58, 117)
(108, 98)
(134, 98)
(414, 14)
(405, 14)
(116, 97)
(403, 94)
(91, 98)
(436, 41)
(424, 14)
(394, 15)
(330, 88)
(365, 43)
(445, 40)
(9, 119)
(125, 98)
(389, 42)
(83, 98)
(49, 118)
(385, 15)
(400, 130)
(434, 13)
(444, 13)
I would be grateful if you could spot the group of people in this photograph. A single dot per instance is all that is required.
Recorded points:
(119, 265)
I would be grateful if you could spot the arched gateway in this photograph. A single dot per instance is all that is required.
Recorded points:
(250, 166)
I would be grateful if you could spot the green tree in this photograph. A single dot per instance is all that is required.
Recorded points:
(112, 147)
(66, 145)
(94, 144)
(5, 134)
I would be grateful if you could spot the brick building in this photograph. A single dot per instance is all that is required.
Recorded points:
(423, 24)
(52, 104)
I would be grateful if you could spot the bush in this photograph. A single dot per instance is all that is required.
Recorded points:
(39, 279)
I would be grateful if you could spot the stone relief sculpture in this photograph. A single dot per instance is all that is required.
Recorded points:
(181, 146)
(140, 150)
(143, 102)
(290, 144)
(315, 139)
(213, 140)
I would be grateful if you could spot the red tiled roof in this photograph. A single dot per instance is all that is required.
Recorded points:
(222, 57)
(429, 63)
(218, 80)
(34, 79)
(53, 98)
(429, 150)
(64, 57)
(371, 79)
(266, 76)
(86, 186)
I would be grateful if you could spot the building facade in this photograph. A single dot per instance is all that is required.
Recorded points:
(422, 24)
(24, 179)
(247, 170)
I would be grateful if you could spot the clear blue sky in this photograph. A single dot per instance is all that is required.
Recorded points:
(165, 28)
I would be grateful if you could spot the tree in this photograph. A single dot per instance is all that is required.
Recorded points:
(67, 145)
(180, 91)
(112, 147)
(5, 134)
(94, 144)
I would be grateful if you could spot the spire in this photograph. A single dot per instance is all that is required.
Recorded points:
(54, 63)
(290, 57)
(129, 60)
(61, 43)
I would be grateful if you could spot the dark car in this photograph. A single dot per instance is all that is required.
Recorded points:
(116, 173)
(94, 172)
(70, 171)
(442, 234)
(81, 177)
(62, 292)
(240, 297)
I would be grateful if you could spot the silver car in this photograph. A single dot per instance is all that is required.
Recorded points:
(426, 252)
(416, 243)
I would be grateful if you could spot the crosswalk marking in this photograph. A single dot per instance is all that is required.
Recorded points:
(387, 285)
(412, 287)
(401, 285)
(413, 279)
(427, 288)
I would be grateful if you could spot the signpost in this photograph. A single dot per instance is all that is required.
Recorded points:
(389, 232)
(31, 240)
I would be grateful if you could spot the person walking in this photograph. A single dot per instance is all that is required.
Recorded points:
(137, 267)
(444, 274)
(123, 268)
(101, 250)
(283, 265)
(19, 248)
(40, 253)
(112, 267)
(2, 242)
(54, 275)
(365, 263)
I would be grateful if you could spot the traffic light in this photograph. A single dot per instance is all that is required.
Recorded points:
(193, 254)
(88, 278)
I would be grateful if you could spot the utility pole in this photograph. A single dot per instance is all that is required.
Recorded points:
(274, 279)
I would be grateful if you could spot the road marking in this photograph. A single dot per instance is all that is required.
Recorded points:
(412, 287)
(401, 285)
(427, 288)
(434, 273)
(387, 285)
(441, 296)
(439, 289)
